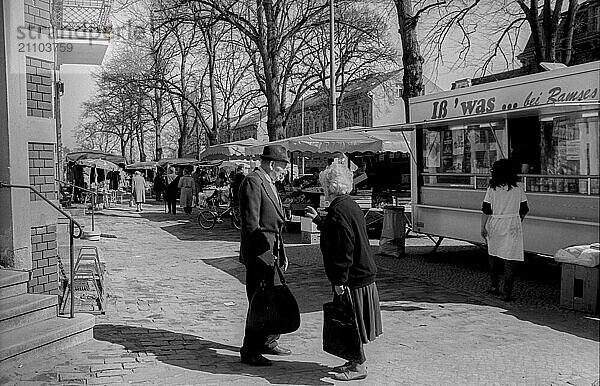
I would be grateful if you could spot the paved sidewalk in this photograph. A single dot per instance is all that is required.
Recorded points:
(177, 304)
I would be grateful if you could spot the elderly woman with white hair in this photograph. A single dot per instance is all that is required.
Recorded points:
(348, 259)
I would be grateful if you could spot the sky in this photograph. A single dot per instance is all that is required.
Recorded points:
(79, 85)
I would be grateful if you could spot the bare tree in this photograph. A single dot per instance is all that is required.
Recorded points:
(489, 33)
(362, 46)
(269, 26)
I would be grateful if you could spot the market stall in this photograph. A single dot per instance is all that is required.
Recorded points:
(378, 158)
(82, 172)
(229, 151)
(546, 123)
(366, 150)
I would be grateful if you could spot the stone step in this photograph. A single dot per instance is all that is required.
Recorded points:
(21, 310)
(43, 337)
(13, 283)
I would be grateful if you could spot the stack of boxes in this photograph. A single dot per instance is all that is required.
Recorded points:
(309, 232)
(579, 288)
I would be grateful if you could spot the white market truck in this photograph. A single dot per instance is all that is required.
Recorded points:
(547, 123)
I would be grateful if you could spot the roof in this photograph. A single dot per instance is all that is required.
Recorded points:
(346, 140)
(94, 154)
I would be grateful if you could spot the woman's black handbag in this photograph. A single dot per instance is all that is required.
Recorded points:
(273, 309)
(340, 331)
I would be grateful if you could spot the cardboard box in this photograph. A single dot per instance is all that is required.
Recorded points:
(310, 237)
(307, 225)
(579, 288)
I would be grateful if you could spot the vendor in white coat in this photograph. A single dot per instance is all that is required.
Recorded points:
(504, 208)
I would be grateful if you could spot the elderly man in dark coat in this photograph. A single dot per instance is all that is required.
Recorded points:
(261, 244)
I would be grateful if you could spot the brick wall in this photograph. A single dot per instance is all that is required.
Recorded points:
(39, 87)
(44, 254)
(41, 170)
(37, 15)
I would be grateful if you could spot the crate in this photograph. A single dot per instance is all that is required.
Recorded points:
(310, 237)
(579, 288)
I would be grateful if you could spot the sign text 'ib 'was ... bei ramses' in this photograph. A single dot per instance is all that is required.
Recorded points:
(467, 106)
(559, 86)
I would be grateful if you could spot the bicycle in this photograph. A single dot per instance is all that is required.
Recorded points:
(213, 215)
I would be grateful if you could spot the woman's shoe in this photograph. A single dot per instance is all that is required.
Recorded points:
(352, 374)
(342, 368)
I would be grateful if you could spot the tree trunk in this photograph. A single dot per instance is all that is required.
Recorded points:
(210, 52)
(157, 125)
(550, 23)
(270, 56)
(568, 33)
(412, 78)
(536, 32)
(180, 142)
(158, 93)
(140, 127)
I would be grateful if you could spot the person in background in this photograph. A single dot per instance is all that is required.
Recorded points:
(313, 181)
(261, 245)
(138, 190)
(158, 185)
(197, 176)
(504, 208)
(236, 182)
(222, 179)
(171, 182)
(348, 259)
(188, 191)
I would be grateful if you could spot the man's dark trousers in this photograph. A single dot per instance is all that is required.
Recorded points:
(256, 342)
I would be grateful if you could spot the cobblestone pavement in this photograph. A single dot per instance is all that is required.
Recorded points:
(177, 304)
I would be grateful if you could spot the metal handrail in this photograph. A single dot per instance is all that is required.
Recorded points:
(524, 177)
(94, 194)
(478, 175)
(75, 186)
(72, 235)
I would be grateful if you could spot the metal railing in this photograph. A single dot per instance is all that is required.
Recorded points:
(72, 224)
(479, 181)
(82, 15)
(93, 193)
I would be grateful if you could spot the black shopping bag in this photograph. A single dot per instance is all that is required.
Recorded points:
(340, 331)
(273, 309)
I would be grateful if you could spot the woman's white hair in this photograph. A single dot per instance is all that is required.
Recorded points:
(336, 179)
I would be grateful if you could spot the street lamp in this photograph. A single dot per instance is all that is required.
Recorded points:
(302, 115)
(295, 92)
(332, 65)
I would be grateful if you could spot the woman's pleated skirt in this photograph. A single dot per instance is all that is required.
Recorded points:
(368, 314)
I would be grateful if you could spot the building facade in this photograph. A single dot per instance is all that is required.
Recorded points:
(36, 38)
(250, 126)
(375, 101)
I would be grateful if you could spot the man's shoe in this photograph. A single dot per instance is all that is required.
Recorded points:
(256, 360)
(277, 350)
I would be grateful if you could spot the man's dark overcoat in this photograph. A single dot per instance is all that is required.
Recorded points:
(262, 221)
(261, 244)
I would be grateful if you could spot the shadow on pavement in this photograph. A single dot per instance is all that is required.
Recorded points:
(195, 353)
(457, 276)
(185, 227)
